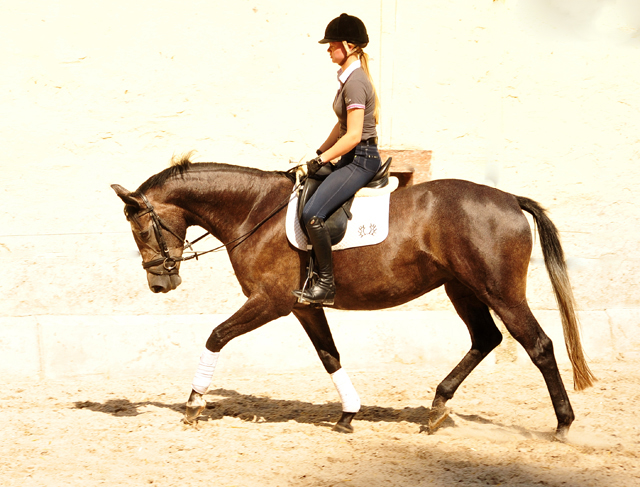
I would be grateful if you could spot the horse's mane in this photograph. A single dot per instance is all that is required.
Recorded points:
(181, 165)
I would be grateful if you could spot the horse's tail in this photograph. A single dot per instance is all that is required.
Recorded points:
(557, 270)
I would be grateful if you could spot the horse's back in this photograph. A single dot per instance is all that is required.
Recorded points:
(466, 227)
(449, 203)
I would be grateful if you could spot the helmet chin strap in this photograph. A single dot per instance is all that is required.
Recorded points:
(350, 52)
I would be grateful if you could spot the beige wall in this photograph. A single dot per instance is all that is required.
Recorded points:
(540, 97)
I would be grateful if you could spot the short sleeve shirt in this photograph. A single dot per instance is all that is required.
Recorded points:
(356, 92)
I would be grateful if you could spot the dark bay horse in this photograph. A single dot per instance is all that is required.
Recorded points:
(473, 239)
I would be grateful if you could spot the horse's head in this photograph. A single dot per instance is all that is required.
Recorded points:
(158, 238)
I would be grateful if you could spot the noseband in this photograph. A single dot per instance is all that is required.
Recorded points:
(169, 263)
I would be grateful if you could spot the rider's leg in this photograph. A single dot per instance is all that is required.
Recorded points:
(353, 172)
(324, 290)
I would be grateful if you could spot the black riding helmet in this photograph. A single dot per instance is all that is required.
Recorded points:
(346, 28)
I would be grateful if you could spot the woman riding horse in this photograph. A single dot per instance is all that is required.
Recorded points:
(353, 139)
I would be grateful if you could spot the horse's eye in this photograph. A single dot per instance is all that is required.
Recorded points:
(144, 235)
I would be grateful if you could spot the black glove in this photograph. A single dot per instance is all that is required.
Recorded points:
(313, 166)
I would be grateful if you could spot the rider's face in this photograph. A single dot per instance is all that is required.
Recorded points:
(337, 52)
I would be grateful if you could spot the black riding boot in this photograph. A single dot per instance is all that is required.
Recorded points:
(324, 289)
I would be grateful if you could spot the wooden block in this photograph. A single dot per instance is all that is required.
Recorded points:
(408, 165)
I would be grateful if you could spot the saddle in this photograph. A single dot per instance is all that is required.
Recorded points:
(337, 222)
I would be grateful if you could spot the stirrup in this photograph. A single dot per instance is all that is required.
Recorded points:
(328, 300)
(310, 284)
(307, 282)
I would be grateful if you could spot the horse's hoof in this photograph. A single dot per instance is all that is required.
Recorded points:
(191, 414)
(344, 423)
(436, 418)
(343, 428)
(561, 434)
(195, 405)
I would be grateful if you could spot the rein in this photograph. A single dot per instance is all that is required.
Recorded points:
(170, 263)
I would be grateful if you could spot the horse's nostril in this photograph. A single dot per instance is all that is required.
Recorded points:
(157, 289)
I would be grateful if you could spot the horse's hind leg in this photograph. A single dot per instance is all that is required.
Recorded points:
(524, 327)
(485, 336)
(314, 322)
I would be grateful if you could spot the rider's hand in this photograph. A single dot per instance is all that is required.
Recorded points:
(314, 165)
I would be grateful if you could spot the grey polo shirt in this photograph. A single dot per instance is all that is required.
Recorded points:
(355, 91)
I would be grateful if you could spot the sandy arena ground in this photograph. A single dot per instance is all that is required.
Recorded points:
(274, 430)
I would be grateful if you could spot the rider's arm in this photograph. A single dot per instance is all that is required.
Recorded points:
(355, 122)
(332, 139)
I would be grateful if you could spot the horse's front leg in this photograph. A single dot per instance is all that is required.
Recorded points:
(314, 322)
(257, 311)
(201, 382)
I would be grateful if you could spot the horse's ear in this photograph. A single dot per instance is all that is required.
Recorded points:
(125, 196)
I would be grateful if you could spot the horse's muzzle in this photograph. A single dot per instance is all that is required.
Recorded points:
(163, 283)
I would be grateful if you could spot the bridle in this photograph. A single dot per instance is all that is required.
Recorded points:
(170, 263)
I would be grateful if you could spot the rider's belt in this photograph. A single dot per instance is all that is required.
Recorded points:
(371, 141)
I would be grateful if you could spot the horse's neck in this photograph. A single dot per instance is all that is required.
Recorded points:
(227, 203)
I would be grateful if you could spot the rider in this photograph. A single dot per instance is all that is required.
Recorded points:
(353, 139)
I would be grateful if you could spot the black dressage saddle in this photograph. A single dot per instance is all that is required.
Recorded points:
(337, 221)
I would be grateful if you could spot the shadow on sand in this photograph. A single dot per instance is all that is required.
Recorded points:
(225, 402)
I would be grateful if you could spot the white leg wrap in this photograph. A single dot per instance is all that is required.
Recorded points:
(204, 372)
(348, 394)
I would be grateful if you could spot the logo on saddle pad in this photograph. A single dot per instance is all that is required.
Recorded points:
(369, 224)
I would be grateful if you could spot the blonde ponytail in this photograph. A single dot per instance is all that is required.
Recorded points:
(364, 62)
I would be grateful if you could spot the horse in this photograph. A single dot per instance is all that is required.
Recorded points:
(472, 239)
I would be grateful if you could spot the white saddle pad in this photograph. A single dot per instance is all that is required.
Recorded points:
(369, 225)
